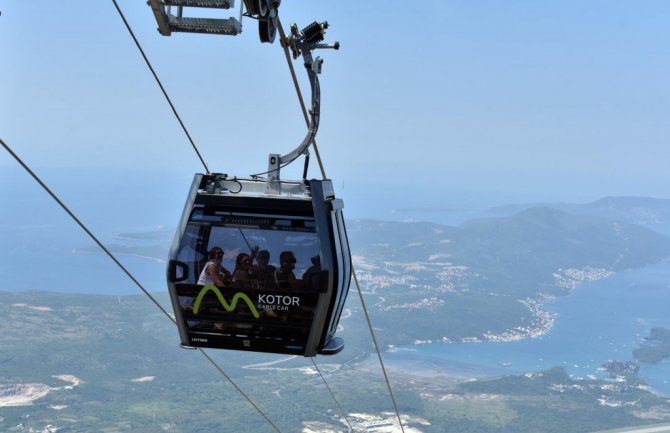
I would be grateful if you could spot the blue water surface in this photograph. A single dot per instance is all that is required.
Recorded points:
(600, 321)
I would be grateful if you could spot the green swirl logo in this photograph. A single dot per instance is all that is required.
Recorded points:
(228, 307)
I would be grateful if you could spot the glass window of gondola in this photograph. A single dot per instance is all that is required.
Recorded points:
(261, 303)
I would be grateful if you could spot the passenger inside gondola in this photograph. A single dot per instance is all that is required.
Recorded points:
(214, 272)
(263, 272)
(284, 276)
(311, 277)
(242, 275)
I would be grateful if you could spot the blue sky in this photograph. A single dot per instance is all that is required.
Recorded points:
(524, 100)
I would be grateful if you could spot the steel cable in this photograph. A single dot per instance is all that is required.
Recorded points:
(204, 164)
(160, 84)
(379, 355)
(123, 268)
(83, 227)
(206, 355)
(351, 428)
(284, 43)
(125, 271)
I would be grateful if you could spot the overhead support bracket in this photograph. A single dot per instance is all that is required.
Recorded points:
(227, 26)
(168, 23)
(212, 4)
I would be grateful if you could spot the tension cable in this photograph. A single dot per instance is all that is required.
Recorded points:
(125, 271)
(158, 81)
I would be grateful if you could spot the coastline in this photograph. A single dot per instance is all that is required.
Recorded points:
(582, 340)
(542, 320)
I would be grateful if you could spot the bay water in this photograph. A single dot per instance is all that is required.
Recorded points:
(599, 321)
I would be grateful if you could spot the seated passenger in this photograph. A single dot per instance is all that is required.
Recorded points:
(284, 276)
(242, 273)
(264, 272)
(214, 272)
(309, 278)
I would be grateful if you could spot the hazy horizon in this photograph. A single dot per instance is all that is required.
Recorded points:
(514, 103)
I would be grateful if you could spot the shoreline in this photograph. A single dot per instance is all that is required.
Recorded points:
(533, 354)
(542, 320)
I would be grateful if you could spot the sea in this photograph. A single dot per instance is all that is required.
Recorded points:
(599, 321)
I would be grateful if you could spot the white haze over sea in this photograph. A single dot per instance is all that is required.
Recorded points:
(36, 231)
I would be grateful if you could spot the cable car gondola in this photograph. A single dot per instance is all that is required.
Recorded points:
(301, 227)
(291, 300)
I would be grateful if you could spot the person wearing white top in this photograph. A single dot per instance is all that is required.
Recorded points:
(214, 273)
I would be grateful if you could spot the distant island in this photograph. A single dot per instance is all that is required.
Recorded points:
(655, 348)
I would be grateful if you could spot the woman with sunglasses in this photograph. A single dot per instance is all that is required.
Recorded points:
(242, 273)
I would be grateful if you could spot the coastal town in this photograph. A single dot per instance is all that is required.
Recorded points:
(438, 280)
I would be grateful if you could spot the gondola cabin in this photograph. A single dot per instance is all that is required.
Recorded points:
(260, 265)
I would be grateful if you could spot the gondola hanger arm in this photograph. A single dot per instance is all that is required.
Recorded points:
(304, 42)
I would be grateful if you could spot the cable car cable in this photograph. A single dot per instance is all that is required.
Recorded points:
(374, 339)
(153, 72)
(351, 428)
(284, 44)
(123, 268)
(174, 110)
(206, 355)
(83, 227)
